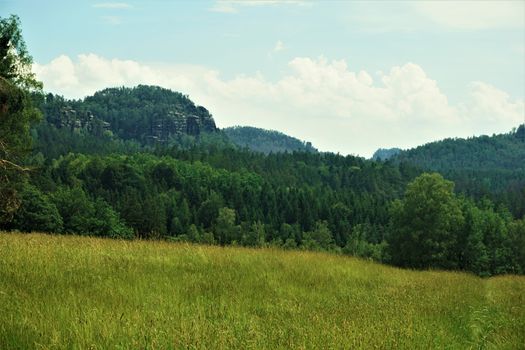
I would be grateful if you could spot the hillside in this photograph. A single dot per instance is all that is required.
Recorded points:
(145, 114)
(119, 118)
(266, 141)
(78, 292)
(503, 152)
(483, 166)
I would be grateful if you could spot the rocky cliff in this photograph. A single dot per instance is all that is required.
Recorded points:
(148, 114)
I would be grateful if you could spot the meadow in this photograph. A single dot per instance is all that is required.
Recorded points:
(79, 292)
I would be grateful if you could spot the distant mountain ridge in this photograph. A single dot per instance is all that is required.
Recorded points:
(385, 153)
(152, 115)
(503, 151)
(266, 141)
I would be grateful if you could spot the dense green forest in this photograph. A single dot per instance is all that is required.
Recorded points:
(203, 188)
(482, 167)
(266, 141)
(147, 162)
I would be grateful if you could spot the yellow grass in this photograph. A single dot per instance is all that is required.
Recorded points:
(86, 293)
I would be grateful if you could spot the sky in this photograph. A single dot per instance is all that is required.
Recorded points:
(349, 76)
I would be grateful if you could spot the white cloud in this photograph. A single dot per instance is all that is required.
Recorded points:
(62, 70)
(492, 105)
(317, 100)
(473, 15)
(113, 5)
(90, 73)
(232, 6)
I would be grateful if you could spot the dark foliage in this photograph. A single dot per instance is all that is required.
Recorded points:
(202, 188)
(266, 141)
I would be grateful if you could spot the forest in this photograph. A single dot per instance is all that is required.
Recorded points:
(483, 166)
(266, 141)
(146, 162)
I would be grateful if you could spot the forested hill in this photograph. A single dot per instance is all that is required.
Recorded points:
(125, 120)
(482, 153)
(146, 114)
(483, 166)
(266, 141)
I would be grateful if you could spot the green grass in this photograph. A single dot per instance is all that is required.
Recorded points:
(85, 293)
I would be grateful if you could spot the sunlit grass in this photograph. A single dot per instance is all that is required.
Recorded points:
(78, 292)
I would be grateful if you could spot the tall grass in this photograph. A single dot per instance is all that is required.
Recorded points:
(85, 293)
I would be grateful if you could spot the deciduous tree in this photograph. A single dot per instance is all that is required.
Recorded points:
(426, 223)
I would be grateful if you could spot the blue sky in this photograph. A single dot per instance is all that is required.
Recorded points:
(348, 76)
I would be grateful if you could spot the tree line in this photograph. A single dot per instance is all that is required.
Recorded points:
(359, 210)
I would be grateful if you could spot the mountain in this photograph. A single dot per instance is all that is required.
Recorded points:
(266, 141)
(146, 114)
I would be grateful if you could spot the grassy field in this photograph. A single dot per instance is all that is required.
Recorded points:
(85, 293)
